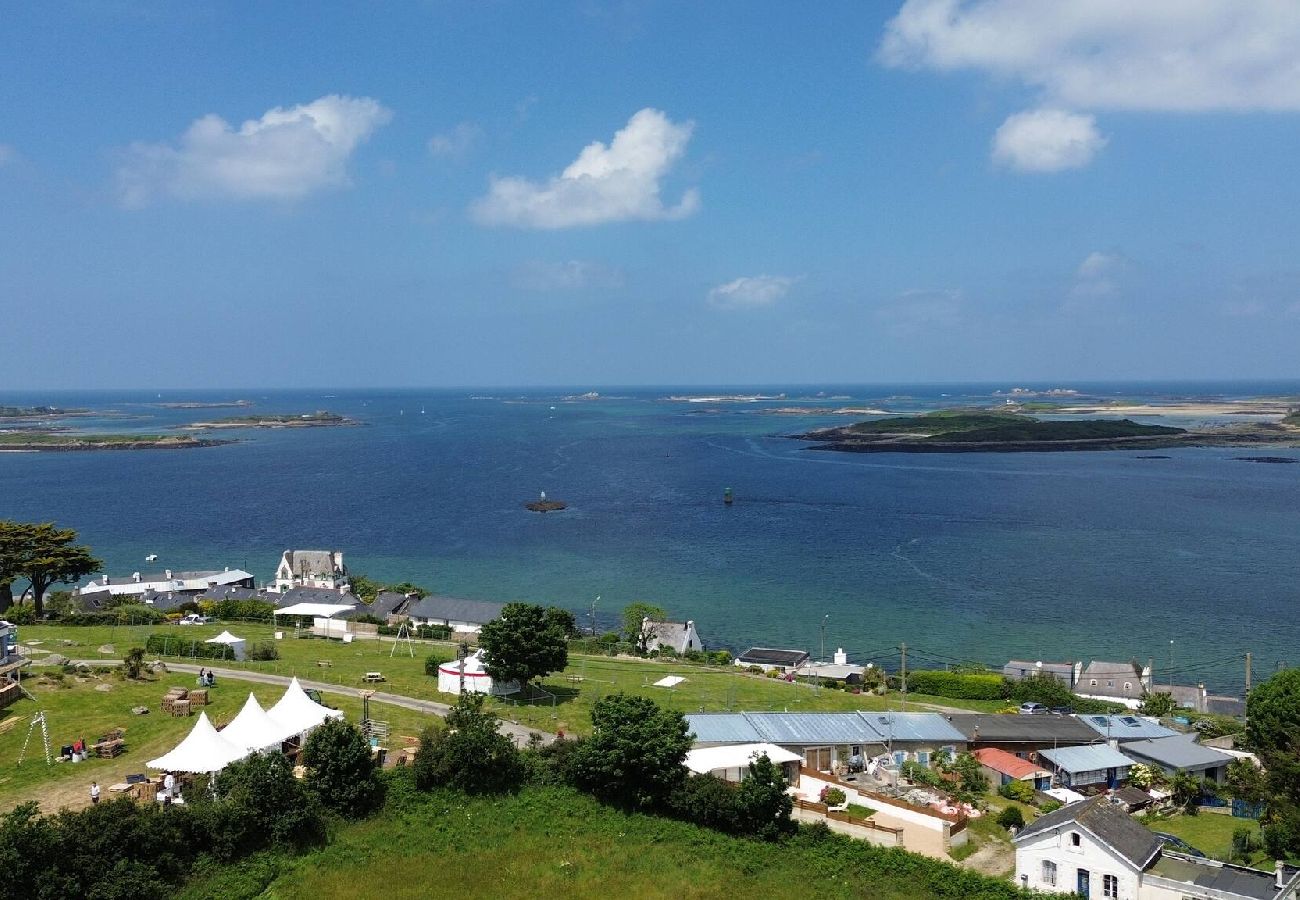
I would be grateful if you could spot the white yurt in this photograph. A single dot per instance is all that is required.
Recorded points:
(203, 750)
(236, 644)
(477, 680)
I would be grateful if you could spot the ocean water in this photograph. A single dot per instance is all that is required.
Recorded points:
(968, 556)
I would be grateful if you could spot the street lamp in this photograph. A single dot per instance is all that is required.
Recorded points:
(824, 618)
(1171, 667)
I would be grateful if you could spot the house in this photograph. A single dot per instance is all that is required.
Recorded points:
(216, 595)
(311, 568)
(1093, 848)
(1092, 765)
(828, 740)
(1001, 767)
(465, 616)
(166, 581)
(1125, 728)
(390, 606)
(679, 637)
(839, 669)
(731, 762)
(1022, 735)
(1114, 681)
(328, 596)
(1131, 798)
(769, 658)
(1066, 672)
(11, 664)
(1181, 753)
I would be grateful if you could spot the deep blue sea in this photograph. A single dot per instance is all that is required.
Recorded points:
(968, 556)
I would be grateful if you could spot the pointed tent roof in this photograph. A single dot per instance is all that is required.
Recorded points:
(254, 729)
(297, 712)
(224, 638)
(202, 751)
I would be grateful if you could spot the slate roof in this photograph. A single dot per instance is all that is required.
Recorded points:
(167, 600)
(388, 603)
(1125, 728)
(1178, 752)
(451, 609)
(315, 562)
(671, 634)
(771, 656)
(311, 595)
(1021, 668)
(1237, 881)
(1106, 822)
(995, 728)
(1090, 758)
(232, 593)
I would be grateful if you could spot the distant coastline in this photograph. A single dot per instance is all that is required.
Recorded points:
(319, 419)
(65, 442)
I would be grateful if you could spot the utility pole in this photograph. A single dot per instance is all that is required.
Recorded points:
(1171, 666)
(824, 618)
(593, 615)
(1246, 696)
(460, 664)
(903, 648)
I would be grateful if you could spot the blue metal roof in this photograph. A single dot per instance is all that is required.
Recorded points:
(813, 728)
(723, 728)
(1087, 758)
(916, 726)
(1126, 727)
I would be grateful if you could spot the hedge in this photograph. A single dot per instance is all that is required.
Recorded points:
(172, 644)
(958, 685)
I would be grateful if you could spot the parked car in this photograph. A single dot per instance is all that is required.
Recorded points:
(1173, 842)
(1062, 710)
(194, 619)
(1032, 709)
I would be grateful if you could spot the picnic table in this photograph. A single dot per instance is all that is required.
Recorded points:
(370, 677)
(324, 663)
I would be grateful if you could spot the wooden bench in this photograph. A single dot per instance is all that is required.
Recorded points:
(371, 677)
(324, 663)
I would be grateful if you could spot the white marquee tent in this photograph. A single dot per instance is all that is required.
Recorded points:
(203, 750)
(297, 713)
(236, 644)
(254, 730)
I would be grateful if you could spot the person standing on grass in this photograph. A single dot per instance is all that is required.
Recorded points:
(169, 783)
(94, 792)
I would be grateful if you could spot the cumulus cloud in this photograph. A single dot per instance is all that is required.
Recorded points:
(615, 183)
(1047, 140)
(751, 292)
(457, 142)
(1166, 55)
(572, 275)
(287, 153)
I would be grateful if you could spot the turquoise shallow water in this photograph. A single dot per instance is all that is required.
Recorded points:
(1052, 556)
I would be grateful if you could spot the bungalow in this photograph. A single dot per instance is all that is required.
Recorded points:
(731, 763)
(1019, 669)
(327, 596)
(1093, 848)
(1001, 767)
(1125, 728)
(1181, 753)
(1022, 735)
(1092, 765)
(1126, 682)
(839, 669)
(680, 637)
(466, 616)
(311, 568)
(162, 582)
(390, 606)
(770, 658)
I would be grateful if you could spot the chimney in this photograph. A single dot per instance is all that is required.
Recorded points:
(841, 658)
(105, 579)
(135, 576)
(1280, 879)
(167, 574)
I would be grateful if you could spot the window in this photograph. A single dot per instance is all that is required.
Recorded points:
(1049, 873)
(1110, 684)
(1128, 685)
(1075, 840)
(1093, 682)
(923, 757)
(1110, 886)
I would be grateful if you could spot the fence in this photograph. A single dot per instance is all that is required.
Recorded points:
(826, 812)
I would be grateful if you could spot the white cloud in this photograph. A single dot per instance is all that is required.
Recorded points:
(1167, 55)
(751, 292)
(573, 275)
(457, 142)
(1047, 140)
(917, 311)
(1096, 278)
(615, 183)
(286, 153)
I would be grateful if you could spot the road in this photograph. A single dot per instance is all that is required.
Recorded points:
(520, 734)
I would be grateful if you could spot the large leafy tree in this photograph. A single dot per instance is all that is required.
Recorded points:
(341, 769)
(762, 805)
(42, 555)
(1273, 729)
(469, 753)
(523, 643)
(634, 617)
(635, 753)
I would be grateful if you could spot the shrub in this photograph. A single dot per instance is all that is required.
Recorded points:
(705, 800)
(193, 648)
(1049, 806)
(469, 753)
(263, 651)
(832, 796)
(250, 609)
(963, 686)
(138, 614)
(267, 806)
(341, 769)
(1011, 817)
(634, 755)
(21, 615)
(1018, 790)
(133, 662)
(762, 805)
(431, 664)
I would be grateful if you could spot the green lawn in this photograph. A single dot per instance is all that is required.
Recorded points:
(706, 689)
(553, 842)
(1211, 833)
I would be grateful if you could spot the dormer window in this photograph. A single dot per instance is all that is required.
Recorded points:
(1128, 685)
(1093, 682)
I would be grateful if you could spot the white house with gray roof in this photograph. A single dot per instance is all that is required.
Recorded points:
(1181, 753)
(1093, 848)
(312, 569)
(138, 583)
(676, 636)
(465, 616)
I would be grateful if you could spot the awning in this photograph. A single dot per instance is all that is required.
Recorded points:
(324, 610)
(738, 756)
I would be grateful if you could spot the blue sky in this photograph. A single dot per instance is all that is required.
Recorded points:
(398, 194)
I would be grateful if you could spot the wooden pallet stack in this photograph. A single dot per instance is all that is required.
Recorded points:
(198, 697)
(176, 702)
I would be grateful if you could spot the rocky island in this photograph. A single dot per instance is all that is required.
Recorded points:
(318, 419)
(993, 431)
(61, 441)
(39, 412)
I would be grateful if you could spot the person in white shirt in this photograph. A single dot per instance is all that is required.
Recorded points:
(169, 785)
(94, 792)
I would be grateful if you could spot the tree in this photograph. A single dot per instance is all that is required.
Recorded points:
(1041, 687)
(523, 643)
(971, 781)
(133, 662)
(42, 555)
(1145, 775)
(634, 616)
(1273, 730)
(634, 755)
(1185, 791)
(268, 805)
(469, 753)
(564, 620)
(1247, 781)
(762, 806)
(1011, 817)
(1157, 704)
(341, 769)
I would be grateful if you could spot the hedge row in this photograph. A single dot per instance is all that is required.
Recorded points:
(958, 685)
(172, 644)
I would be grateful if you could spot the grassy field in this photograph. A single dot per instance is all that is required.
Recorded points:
(1211, 833)
(88, 706)
(555, 842)
(706, 689)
